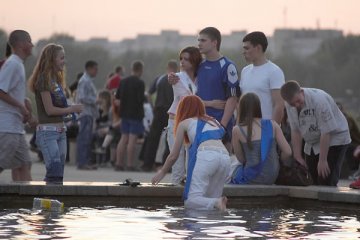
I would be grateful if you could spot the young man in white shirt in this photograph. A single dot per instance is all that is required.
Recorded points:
(315, 117)
(14, 151)
(262, 77)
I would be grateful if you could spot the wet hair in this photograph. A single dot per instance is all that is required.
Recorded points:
(190, 107)
(249, 108)
(45, 68)
(213, 34)
(17, 36)
(90, 64)
(195, 57)
(289, 89)
(257, 38)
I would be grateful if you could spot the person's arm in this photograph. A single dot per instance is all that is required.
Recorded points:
(13, 102)
(235, 141)
(327, 123)
(278, 105)
(323, 166)
(282, 143)
(356, 152)
(32, 121)
(229, 110)
(232, 92)
(296, 143)
(174, 154)
(217, 104)
(51, 110)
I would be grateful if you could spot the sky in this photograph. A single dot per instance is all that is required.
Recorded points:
(119, 19)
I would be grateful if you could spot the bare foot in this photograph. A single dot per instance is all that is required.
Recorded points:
(221, 203)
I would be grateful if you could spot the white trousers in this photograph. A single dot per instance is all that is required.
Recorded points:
(178, 169)
(210, 172)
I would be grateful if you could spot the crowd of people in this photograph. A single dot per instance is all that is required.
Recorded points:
(220, 126)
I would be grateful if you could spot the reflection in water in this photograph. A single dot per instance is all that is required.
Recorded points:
(176, 223)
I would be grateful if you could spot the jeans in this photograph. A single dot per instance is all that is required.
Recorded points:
(207, 183)
(53, 147)
(83, 140)
(335, 159)
(178, 169)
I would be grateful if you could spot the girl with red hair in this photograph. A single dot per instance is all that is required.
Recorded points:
(209, 161)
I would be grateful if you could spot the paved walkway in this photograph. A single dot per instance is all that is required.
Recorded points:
(104, 174)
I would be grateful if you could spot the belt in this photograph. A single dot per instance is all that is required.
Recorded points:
(51, 129)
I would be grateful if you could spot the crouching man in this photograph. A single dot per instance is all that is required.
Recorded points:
(315, 118)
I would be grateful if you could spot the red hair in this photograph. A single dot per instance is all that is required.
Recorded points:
(190, 107)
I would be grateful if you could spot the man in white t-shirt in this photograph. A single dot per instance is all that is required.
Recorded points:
(14, 152)
(315, 117)
(262, 77)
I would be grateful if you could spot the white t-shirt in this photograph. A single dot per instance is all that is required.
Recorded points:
(12, 82)
(319, 115)
(184, 87)
(261, 80)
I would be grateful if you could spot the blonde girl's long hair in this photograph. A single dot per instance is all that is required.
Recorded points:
(45, 68)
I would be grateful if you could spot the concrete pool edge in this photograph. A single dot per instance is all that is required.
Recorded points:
(114, 189)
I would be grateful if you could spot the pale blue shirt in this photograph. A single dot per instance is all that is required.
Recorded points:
(86, 95)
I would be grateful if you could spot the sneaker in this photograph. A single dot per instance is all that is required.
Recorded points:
(100, 150)
(356, 184)
(355, 176)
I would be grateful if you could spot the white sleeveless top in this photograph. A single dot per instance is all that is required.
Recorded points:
(192, 128)
(184, 87)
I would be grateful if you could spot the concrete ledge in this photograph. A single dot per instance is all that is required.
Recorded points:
(113, 189)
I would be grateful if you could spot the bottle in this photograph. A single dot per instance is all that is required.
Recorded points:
(48, 204)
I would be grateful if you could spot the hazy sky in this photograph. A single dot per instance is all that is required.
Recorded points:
(118, 19)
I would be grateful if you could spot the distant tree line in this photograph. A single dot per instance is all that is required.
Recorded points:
(335, 67)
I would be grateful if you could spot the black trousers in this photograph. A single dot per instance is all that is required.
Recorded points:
(335, 160)
(160, 121)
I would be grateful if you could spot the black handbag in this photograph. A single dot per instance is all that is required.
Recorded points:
(294, 175)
